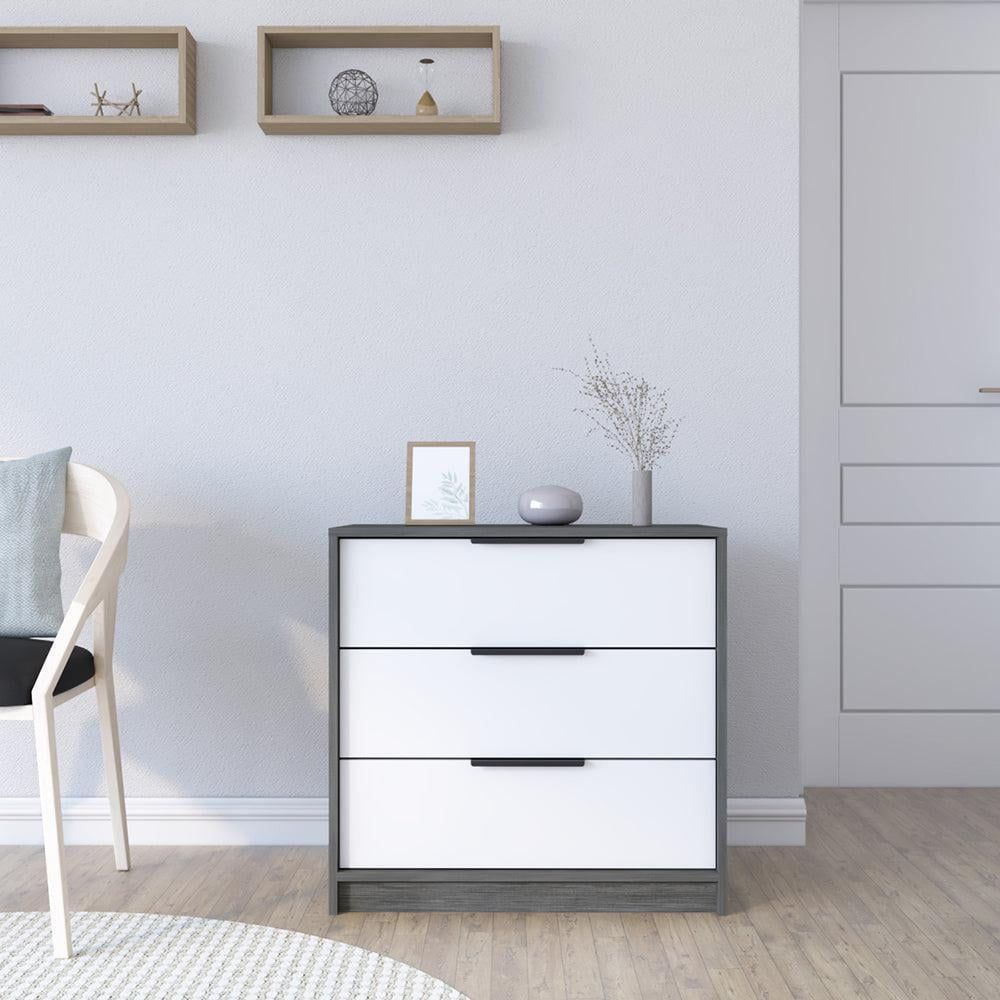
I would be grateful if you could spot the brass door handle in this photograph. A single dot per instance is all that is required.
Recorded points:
(990, 388)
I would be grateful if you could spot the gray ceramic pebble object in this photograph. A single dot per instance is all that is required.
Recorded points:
(550, 505)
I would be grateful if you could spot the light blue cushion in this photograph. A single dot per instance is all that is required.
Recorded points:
(32, 504)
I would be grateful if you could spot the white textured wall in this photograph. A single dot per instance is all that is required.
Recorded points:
(246, 329)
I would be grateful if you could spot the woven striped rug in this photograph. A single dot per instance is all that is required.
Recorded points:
(146, 956)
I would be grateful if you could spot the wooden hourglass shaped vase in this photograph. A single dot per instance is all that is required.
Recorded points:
(426, 105)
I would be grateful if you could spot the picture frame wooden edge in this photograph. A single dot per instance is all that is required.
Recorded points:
(410, 445)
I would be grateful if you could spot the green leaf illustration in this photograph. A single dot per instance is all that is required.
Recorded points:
(453, 498)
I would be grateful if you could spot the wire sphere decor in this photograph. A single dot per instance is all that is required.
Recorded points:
(353, 92)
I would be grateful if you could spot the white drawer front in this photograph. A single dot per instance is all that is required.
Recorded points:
(451, 592)
(448, 814)
(606, 703)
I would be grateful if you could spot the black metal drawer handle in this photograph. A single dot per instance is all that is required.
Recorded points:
(527, 540)
(527, 651)
(527, 762)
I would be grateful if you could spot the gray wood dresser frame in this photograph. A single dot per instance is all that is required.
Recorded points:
(517, 890)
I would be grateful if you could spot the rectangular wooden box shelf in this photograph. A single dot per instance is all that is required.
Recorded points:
(462, 37)
(183, 123)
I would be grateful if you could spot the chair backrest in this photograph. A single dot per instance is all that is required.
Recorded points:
(97, 505)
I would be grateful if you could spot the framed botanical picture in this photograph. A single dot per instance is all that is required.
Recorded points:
(441, 482)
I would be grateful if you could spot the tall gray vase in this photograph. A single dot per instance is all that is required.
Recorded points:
(642, 496)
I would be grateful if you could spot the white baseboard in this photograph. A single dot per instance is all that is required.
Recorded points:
(175, 821)
(766, 822)
(752, 822)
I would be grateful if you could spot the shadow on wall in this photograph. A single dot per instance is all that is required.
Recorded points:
(523, 69)
(221, 645)
(762, 627)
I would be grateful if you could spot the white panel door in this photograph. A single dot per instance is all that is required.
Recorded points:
(900, 332)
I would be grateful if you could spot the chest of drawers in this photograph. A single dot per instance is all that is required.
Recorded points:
(527, 718)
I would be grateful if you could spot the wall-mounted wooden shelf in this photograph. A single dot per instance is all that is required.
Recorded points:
(183, 123)
(464, 37)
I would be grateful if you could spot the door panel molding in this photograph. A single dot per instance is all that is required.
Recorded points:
(928, 37)
(931, 494)
(922, 436)
(894, 640)
(919, 296)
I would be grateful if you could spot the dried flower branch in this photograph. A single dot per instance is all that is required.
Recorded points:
(629, 413)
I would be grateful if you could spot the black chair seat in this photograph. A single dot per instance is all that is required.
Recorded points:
(21, 662)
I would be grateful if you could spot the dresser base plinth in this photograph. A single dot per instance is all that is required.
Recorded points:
(505, 897)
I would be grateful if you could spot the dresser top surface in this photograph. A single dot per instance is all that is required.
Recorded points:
(527, 531)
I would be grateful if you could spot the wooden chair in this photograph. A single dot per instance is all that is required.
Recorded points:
(96, 507)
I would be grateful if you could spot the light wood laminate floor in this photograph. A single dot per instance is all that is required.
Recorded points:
(896, 896)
